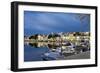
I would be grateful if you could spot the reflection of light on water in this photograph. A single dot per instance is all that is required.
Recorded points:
(26, 43)
(60, 49)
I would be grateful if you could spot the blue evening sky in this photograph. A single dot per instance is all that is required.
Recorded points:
(47, 22)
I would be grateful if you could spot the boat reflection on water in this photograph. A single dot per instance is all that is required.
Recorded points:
(59, 50)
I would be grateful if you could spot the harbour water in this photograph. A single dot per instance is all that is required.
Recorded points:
(46, 51)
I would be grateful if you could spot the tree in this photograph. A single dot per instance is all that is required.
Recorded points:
(77, 34)
(34, 36)
(53, 36)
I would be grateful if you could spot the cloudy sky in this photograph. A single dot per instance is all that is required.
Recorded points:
(47, 22)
